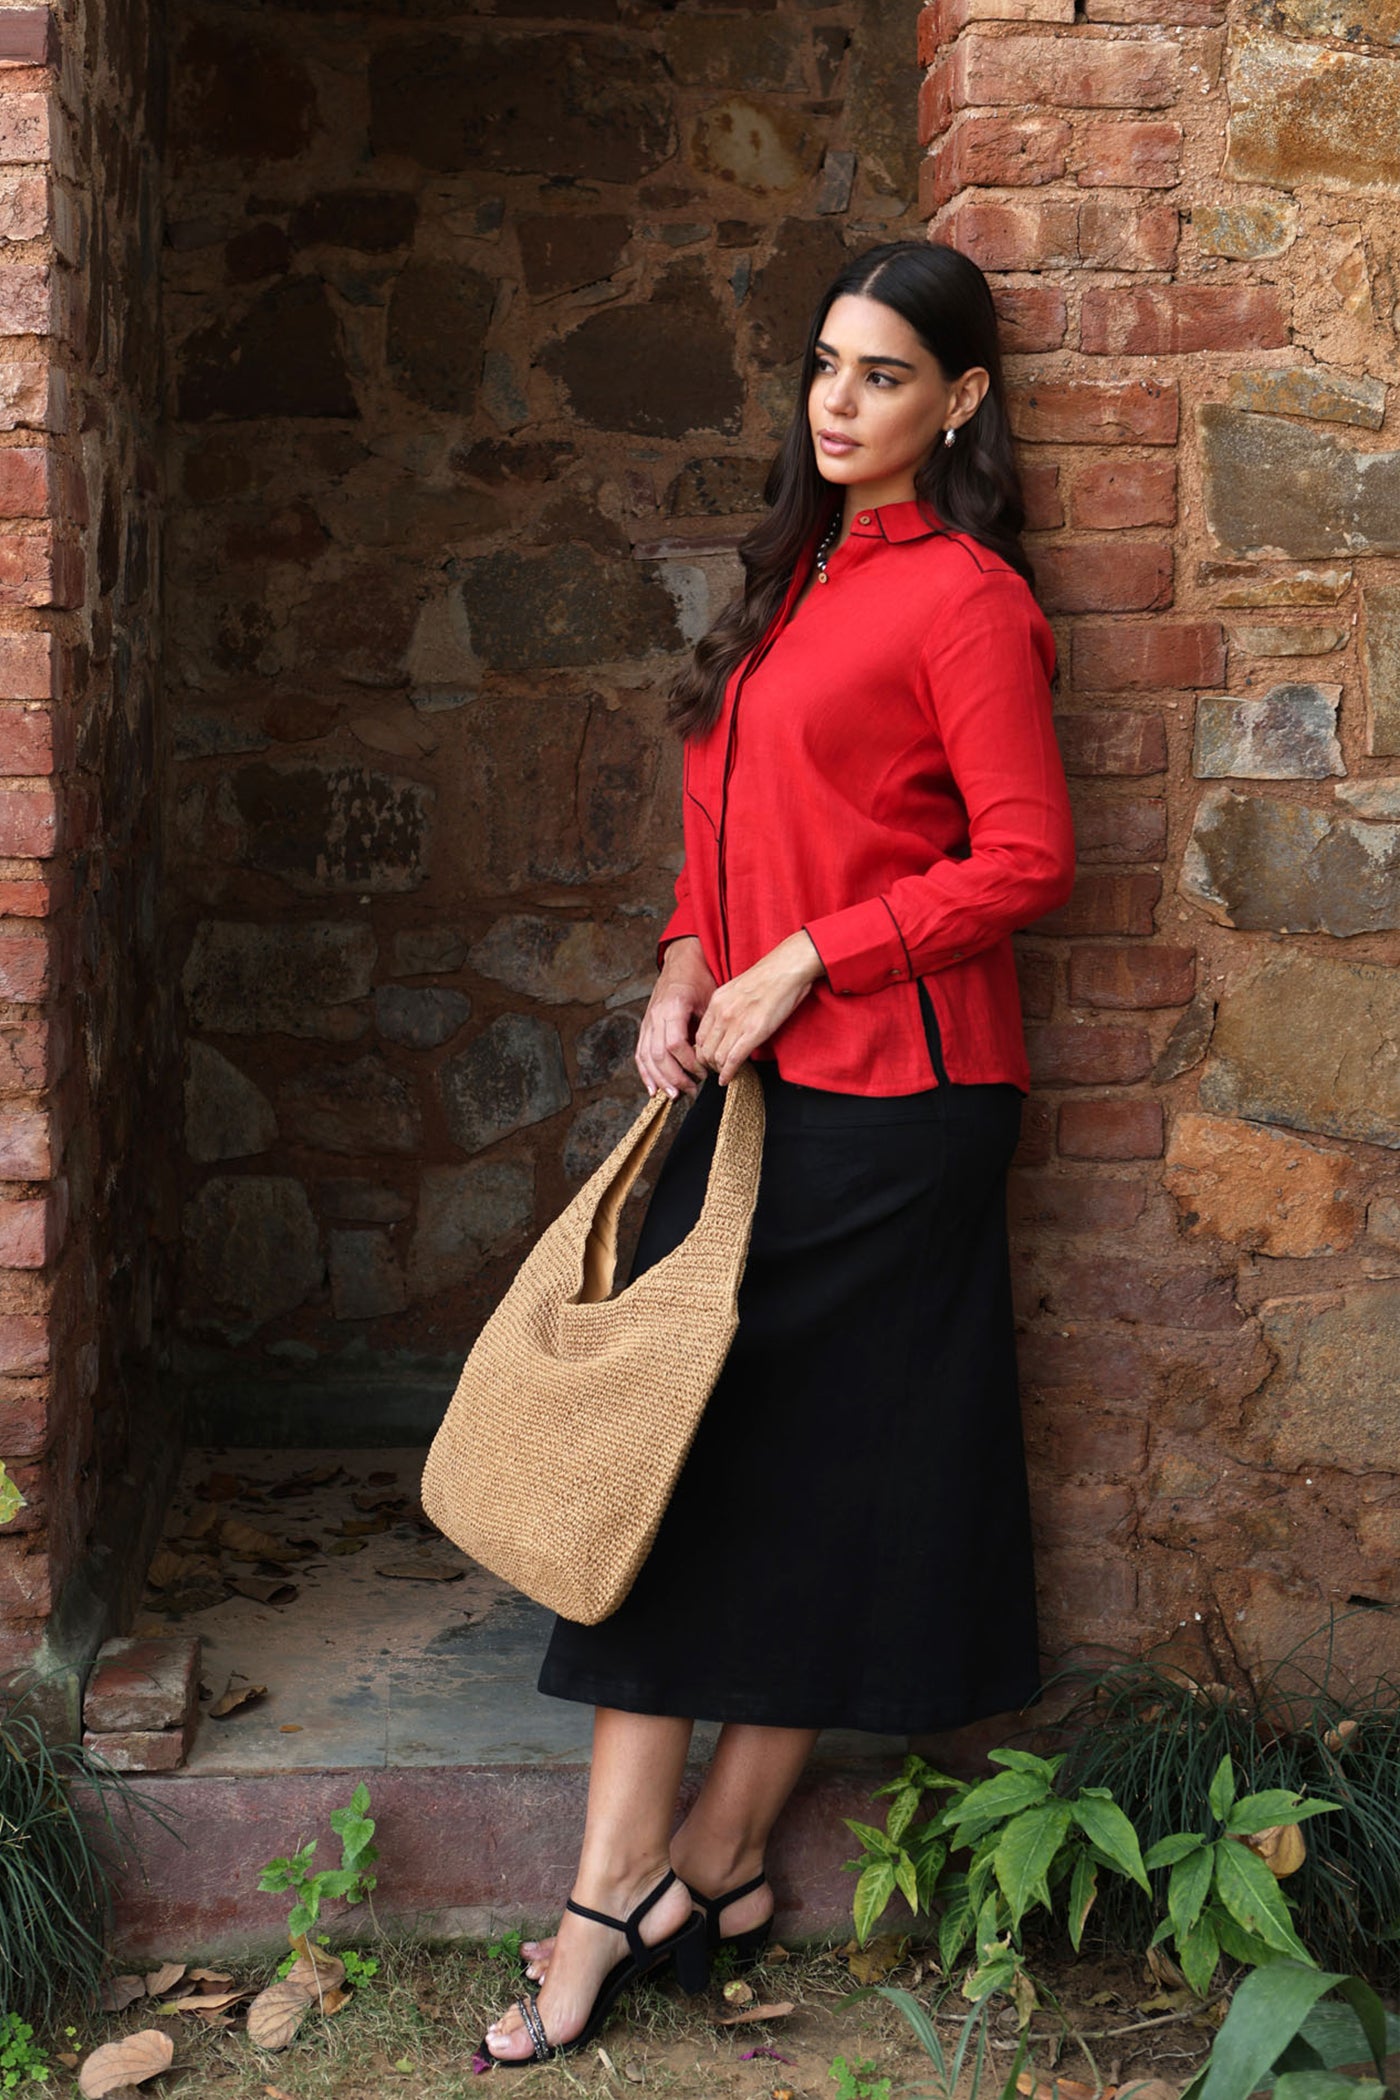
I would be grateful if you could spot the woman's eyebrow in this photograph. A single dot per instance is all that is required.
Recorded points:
(902, 362)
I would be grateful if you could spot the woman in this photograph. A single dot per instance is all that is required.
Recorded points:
(873, 803)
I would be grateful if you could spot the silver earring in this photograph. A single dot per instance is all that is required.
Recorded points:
(948, 437)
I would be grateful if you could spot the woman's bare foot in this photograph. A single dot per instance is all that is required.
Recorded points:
(580, 1956)
(743, 1916)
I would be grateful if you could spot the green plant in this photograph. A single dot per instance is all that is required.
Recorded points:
(351, 1881)
(21, 2063)
(359, 1968)
(11, 1500)
(507, 1947)
(1280, 2032)
(55, 1864)
(856, 2081)
(949, 2065)
(1222, 1898)
(1154, 1735)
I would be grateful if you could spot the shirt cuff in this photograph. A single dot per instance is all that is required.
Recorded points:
(679, 927)
(861, 948)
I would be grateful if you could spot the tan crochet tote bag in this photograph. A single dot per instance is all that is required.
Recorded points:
(575, 1409)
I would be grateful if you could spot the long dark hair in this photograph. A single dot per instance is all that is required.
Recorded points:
(973, 486)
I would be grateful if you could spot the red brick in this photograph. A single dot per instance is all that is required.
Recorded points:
(137, 1683)
(68, 584)
(26, 743)
(1184, 14)
(1097, 741)
(1110, 1130)
(138, 1749)
(24, 1056)
(1103, 576)
(1062, 72)
(1085, 1589)
(1086, 412)
(1111, 1365)
(1104, 903)
(24, 1417)
(1157, 654)
(26, 477)
(1036, 977)
(1124, 829)
(30, 899)
(24, 1581)
(1129, 156)
(1157, 320)
(940, 22)
(1098, 1443)
(1040, 486)
(1070, 1053)
(25, 126)
(998, 153)
(25, 1152)
(28, 36)
(1075, 1202)
(1030, 317)
(1133, 978)
(31, 1230)
(27, 667)
(1155, 1294)
(24, 205)
(1021, 233)
(1037, 1140)
(1118, 236)
(1117, 493)
(1080, 1512)
(28, 821)
(28, 299)
(24, 967)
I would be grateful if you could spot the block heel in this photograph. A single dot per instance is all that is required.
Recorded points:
(746, 1947)
(692, 1958)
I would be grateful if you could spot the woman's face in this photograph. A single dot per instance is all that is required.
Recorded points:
(879, 401)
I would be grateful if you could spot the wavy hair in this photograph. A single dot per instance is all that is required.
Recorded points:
(973, 486)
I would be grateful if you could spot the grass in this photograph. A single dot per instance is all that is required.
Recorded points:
(1154, 1737)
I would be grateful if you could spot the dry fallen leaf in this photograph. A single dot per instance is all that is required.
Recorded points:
(335, 2001)
(316, 1970)
(756, 2012)
(873, 1963)
(121, 1991)
(209, 1976)
(738, 1992)
(169, 1567)
(161, 1979)
(415, 1570)
(1337, 1737)
(1282, 1847)
(208, 2001)
(233, 1696)
(130, 2061)
(364, 1527)
(1149, 2089)
(66, 2057)
(347, 1546)
(219, 1487)
(276, 2013)
(290, 1728)
(1060, 2088)
(248, 1542)
(264, 1589)
(201, 1522)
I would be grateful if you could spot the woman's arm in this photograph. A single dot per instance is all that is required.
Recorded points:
(743, 1013)
(666, 1054)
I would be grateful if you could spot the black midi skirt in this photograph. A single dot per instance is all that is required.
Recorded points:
(848, 1543)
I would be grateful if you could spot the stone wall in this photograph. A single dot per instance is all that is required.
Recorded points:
(87, 1024)
(1189, 211)
(481, 327)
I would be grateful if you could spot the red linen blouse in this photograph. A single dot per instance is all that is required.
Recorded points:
(885, 774)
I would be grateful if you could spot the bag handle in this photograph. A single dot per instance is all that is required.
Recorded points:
(600, 1247)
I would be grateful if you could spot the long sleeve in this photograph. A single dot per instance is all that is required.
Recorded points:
(986, 683)
(682, 921)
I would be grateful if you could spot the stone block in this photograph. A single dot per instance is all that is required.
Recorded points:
(567, 606)
(1380, 665)
(1287, 638)
(1358, 21)
(1306, 116)
(1153, 1293)
(283, 357)
(327, 827)
(438, 317)
(1110, 1129)
(1286, 867)
(762, 147)
(419, 1017)
(510, 1076)
(251, 1249)
(351, 1201)
(594, 1132)
(1331, 1401)
(297, 979)
(1313, 1044)
(605, 1048)
(358, 1107)
(466, 1215)
(370, 221)
(1288, 733)
(1260, 1190)
(734, 51)
(559, 252)
(429, 951)
(1309, 390)
(593, 767)
(1244, 231)
(658, 370)
(1273, 487)
(366, 1280)
(562, 961)
(143, 1684)
(1376, 799)
(137, 1749)
(1238, 584)
(717, 488)
(226, 1115)
(597, 111)
(807, 253)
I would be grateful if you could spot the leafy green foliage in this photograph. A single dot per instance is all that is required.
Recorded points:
(359, 1968)
(11, 1500)
(857, 2082)
(1279, 2032)
(507, 1947)
(21, 2061)
(350, 1882)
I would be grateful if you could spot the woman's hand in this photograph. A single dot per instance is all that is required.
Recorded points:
(666, 1055)
(751, 1007)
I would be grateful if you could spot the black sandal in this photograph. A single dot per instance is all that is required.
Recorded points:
(687, 1947)
(747, 1947)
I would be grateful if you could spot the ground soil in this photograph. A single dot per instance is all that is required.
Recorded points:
(411, 2030)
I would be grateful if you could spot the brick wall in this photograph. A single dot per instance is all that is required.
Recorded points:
(86, 1028)
(1188, 212)
(480, 333)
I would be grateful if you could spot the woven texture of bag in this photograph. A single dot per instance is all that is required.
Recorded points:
(575, 1409)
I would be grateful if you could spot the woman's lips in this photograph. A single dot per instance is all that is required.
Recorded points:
(832, 441)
